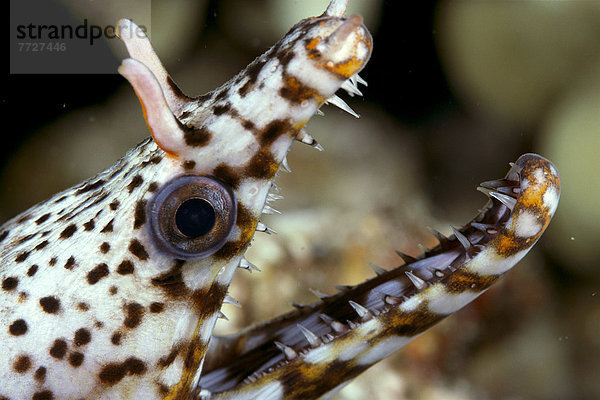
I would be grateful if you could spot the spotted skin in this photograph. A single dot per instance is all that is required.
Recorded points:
(93, 306)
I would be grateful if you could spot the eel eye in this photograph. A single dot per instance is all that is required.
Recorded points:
(192, 216)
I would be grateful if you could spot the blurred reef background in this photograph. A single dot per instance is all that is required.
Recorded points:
(457, 89)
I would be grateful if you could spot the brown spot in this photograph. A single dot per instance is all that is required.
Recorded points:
(140, 214)
(133, 315)
(168, 360)
(295, 91)
(40, 374)
(32, 270)
(138, 250)
(99, 324)
(227, 174)
(52, 261)
(196, 137)
(100, 271)
(90, 186)
(18, 327)
(135, 182)
(189, 164)
(152, 187)
(157, 307)
(82, 337)
(88, 226)
(58, 349)
(22, 364)
(262, 165)
(113, 290)
(23, 218)
(70, 263)
(116, 338)
(41, 245)
(245, 222)
(81, 306)
(24, 239)
(42, 219)
(23, 296)
(221, 109)
(50, 304)
(22, 256)
(285, 56)
(172, 283)
(68, 232)
(114, 205)
(43, 395)
(10, 283)
(114, 372)
(274, 130)
(3, 235)
(62, 198)
(125, 268)
(76, 359)
(108, 228)
(252, 72)
(104, 248)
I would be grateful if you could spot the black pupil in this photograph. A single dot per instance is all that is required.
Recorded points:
(195, 217)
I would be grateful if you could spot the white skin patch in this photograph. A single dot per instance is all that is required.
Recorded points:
(526, 225)
(382, 349)
(444, 303)
(269, 391)
(488, 262)
(550, 198)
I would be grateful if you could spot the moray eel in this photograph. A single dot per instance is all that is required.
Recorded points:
(111, 289)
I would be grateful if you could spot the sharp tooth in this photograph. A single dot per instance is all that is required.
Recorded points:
(362, 312)
(405, 257)
(270, 210)
(312, 339)
(343, 288)
(304, 137)
(222, 316)
(318, 293)
(418, 282)
(444, 241)
(508, 201)
(337, 326)
(230, 300)
(260, 227)
(284, 165)
(336, 101)
(247, 265)
(350, 87)
(274, 196)
(392, 300)
(377, 269)
(360, 80)
(464, 241)
(491, 229)
(515, 172)
(297, 305)
(289, 353)
(319, 112)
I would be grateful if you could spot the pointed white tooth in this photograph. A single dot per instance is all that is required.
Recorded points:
(222, 316)
(230, 300)
(274, 196)
(284, 165)
(504, 199)
(350, 87)
(464, 241)
(289, 353)
(260, 227)
(361, 80)
(423, 248)
(267, 209)
(418, 282)
(337, 326)
(377, 269)
(312, 339)
(319, 113)
(247, 265)
(318, 293)
(362, 312)
(338, 102)
(304, 137)
(392, 300)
